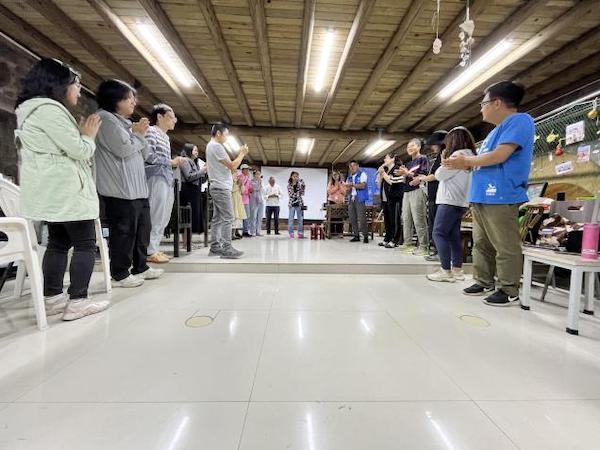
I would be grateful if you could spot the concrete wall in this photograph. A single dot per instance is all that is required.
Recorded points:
(14, 65)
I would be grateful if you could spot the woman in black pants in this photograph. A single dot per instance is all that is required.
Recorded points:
(57, 185)
(395, 195)
(191, 180)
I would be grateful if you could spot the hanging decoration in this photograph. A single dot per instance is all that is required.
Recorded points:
(466, 38)
(435, 22)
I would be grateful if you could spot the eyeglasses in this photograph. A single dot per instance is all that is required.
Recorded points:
(485, 102)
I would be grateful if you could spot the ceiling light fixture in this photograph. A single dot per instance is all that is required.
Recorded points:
(480, 67)
(159, 46)
(232, 144)
(305, 145)
(378, 146)
(324, 61)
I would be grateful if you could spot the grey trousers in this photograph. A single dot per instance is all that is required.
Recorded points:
(222, 219)
(161, 205)
(358, 217)
(414, 212)
(256, 215)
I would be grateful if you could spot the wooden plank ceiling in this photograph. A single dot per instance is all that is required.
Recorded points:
(256, 62)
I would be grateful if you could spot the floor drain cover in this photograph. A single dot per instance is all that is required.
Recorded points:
(474, 320)
(199, 321)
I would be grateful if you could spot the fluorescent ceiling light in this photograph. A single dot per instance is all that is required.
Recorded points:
(305, 145)
(481, 66)
(232, 144)
(377, 147)
(170, 61)
(324, 61)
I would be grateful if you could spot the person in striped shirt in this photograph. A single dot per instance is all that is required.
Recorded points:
(159, 171)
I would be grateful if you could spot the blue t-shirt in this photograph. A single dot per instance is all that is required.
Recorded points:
(505, 183)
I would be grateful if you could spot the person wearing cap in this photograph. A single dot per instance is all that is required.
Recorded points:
(436, 143)
(246, 187)
(498, 187)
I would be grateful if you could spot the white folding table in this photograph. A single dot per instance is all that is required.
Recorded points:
(579, 268)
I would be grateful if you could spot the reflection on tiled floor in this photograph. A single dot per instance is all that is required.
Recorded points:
(309, 362)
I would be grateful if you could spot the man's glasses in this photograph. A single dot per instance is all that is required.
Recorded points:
(485, 102)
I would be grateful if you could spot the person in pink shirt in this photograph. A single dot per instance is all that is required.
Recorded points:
(336, 190)
(246, 188)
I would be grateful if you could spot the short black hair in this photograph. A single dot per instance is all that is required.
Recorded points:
(218, 127)
(509, 92)
(161, 109)
(111, 92)
(187, 150)
(353, 161)
(48, 78)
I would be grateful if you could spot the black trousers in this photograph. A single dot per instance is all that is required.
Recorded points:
(80, 235)
(129, 235)
(272, 211)
(431, 212)
(387, 222)
(191, 193)
(394, 206)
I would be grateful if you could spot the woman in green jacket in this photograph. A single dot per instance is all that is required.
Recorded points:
(57, 185)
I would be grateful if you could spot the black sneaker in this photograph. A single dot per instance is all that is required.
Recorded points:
(501, 298)
(382, 244)
(478, 289)
(366, 240)
(355, 239)
(215, 252)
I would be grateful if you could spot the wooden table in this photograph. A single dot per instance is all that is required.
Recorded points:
(579, 268)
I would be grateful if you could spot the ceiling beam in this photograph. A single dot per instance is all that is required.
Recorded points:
(308, 24)
(542, 67)
(327, 151)
(30, 35)
(261, 151)
(212, 23)
(257, 11)
(294, 152)
(118, 26)
(384, 61)
(427, 60)
(429, 97)
(166, 27)
(564, 22)
(278, 149)
(354, 155)
(365, 8)
(291, 132)
(59, 19)
(344, 151)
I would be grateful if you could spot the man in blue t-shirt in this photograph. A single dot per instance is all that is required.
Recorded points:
(498, 187)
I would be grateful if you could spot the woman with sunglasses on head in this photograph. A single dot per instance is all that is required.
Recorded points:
(57, 185)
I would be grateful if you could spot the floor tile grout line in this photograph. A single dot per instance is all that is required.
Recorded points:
(438, 365)
(262, 345)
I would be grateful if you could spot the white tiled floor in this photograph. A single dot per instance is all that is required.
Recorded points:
(311, 362)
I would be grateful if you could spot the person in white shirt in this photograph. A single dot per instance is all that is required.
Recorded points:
(273, 194)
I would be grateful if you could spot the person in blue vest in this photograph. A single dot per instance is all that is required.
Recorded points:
(357, 198)
(498, 187)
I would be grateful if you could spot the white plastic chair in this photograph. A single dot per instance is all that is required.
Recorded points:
(9, 203)
(20, 248)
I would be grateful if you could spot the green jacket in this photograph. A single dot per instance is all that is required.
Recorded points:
(56, 172)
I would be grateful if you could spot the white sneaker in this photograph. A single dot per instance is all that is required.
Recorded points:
(85, 307)
(442, 275)
(55, 304)
(130, 282)
(150, 274)
(458, 274)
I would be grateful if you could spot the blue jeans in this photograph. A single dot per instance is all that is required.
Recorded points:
(297, 210)
(256, 216)
(446, 234)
